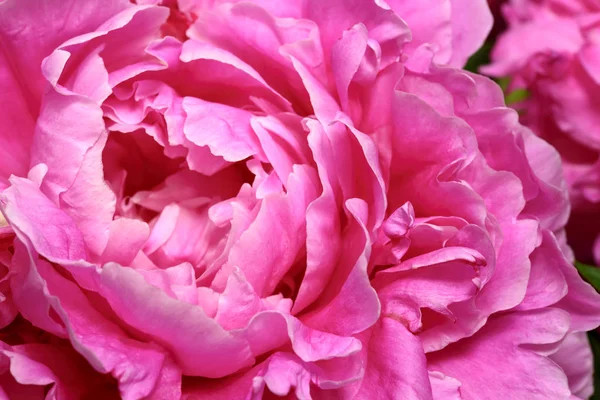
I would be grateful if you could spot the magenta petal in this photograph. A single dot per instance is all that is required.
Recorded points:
(103, 344)
(445, 26)
(336, 16)
(558, 35)
(30, 293)
(125, 239)
(58, 367)
(233, 69)
(32, 29)
(347, 54)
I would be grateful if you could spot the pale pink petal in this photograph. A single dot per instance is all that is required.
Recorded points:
(430, 24)
(510, 278)
(283, 141)
(468, 37)
(444, 387)
(113, 61)
(34, 28)
(347, 56)
(261, 39)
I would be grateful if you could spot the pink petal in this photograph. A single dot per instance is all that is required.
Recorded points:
(336, 16)
(225, 130)
(582, 301)
(510, 278)
(29, 31)
(508, 342)
(71, 377)
(232, 72)
(39, 222)
(395, 364)
(577, 361)
(511, 52)
(323, 242)
(280, 224)
(468, 37)
(349, 304)
(172, 323)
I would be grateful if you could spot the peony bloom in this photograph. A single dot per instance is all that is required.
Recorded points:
(551, 50)
(236, 200)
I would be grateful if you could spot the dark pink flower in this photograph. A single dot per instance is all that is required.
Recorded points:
(235, 200)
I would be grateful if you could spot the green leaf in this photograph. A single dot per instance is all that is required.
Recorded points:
(516, 96)
(590, 273)
(504, 83)
(481, 57)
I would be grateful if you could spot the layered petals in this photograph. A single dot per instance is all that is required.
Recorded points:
(302, 199)
(555, 65)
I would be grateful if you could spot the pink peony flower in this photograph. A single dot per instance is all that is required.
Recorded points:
(235, 200)
(551, 50)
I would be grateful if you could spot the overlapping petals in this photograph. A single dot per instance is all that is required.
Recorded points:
(557, 65)
(241, 199)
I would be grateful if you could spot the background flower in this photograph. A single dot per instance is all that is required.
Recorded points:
(550, 49)
(241, 199)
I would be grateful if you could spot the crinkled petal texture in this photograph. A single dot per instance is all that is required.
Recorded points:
(551, 50)
(241, 200)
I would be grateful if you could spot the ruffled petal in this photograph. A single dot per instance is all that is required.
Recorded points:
(504, 340)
